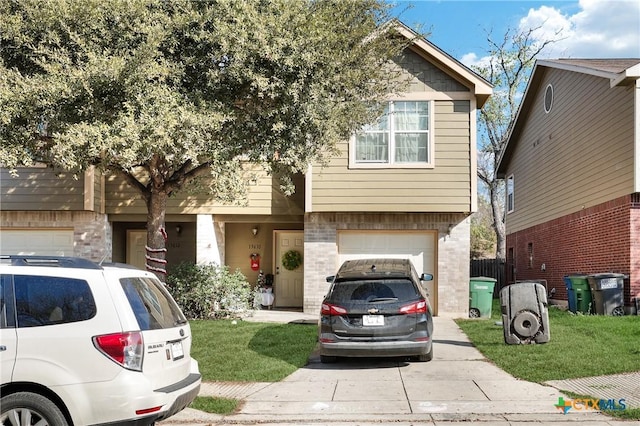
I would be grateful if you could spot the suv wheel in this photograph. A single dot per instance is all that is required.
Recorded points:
(325, 359)
(426, 357)
(25, 408)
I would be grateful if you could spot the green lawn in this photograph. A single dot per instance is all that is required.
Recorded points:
(580, 346)
(249, 351)
(209, 404)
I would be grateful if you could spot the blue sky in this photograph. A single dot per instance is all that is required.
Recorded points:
(588, 28)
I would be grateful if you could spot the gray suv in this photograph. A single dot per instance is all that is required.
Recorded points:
(376, 308)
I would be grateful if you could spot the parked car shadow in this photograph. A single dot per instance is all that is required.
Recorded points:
(358, 363)
(276, 341)
(454, 342)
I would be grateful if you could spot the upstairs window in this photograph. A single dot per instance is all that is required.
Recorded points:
(510, 194)
(401, 137)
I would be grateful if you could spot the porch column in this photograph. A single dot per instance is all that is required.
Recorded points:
(209, 240)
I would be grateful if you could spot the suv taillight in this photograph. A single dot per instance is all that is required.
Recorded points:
(126, 349)
(329, 309)
(419, 307)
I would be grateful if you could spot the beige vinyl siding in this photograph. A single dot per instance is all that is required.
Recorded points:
(424, 76)
(264, 198)
(41, 188)
(579, 155)
(444, 188)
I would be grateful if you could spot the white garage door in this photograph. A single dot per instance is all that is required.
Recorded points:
(418, 246)
(37, 242)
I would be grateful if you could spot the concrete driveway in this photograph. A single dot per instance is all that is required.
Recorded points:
(458, 385)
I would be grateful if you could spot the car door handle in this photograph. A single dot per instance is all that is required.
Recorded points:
(3, 348)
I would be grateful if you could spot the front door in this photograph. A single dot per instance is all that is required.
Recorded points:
(136, 242)
(288, 282)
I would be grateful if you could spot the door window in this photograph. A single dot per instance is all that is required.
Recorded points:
(7, 316)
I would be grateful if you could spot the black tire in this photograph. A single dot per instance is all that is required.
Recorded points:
(426, 357)
(325, 359)
(16, 407)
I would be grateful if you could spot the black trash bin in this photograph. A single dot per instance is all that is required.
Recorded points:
(608, 293)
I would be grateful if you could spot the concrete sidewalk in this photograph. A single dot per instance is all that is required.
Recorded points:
(458, 385)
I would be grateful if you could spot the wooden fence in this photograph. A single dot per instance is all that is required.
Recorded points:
(494, 268)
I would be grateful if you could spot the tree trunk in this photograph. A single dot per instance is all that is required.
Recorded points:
(156, 233)
(498, 222)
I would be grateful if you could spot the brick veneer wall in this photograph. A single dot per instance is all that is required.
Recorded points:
(321, 252)
(633, 294)
(603, 238)
(92, 232)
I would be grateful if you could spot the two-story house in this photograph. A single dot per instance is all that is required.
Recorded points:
(405, 187)
(572, 167)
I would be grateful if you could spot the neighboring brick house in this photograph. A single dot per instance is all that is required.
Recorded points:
(405, 187)
(572, 167)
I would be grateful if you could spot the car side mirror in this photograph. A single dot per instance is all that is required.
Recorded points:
(330, 278)
(426, 277)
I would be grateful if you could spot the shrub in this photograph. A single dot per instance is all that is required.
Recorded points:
(209, 291)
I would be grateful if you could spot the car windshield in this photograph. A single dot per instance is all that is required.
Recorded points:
(153, 306)
(374, 291)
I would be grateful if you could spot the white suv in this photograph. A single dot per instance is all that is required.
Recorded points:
(85, 344)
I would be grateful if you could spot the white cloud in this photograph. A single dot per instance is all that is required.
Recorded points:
(588, 29)
(471, 59)
(599, 29)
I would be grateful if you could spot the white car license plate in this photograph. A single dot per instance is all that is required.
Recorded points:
(372, 320)
(176, 350)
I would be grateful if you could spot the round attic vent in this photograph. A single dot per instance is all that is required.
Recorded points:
(548, 98)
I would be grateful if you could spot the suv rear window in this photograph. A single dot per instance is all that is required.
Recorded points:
(42, 300)
(153, 307)
(374, 290)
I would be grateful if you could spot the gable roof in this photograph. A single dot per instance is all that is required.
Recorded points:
(456, 69)
(619, 72)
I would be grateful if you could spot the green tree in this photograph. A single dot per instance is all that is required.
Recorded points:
(509, 65)
(483, 237)
(169, 93)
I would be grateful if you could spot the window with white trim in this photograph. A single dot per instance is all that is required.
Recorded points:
(510, 194)
(401, 137)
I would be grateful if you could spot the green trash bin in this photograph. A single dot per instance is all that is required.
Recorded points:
(481, 296)
(580, 285)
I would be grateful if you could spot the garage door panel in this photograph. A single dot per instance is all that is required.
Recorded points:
(419, 247)
(37, 242)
